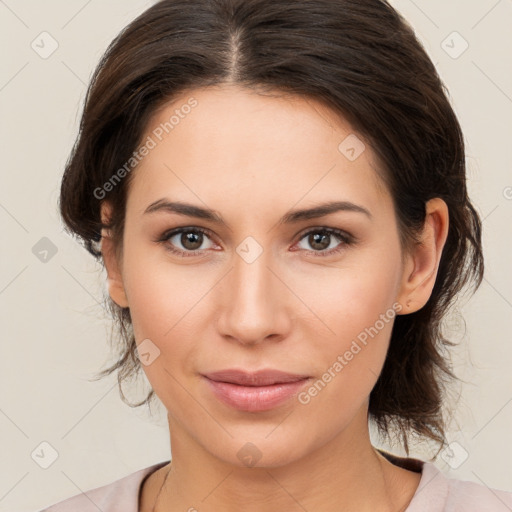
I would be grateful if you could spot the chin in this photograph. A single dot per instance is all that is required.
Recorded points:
(259, 450)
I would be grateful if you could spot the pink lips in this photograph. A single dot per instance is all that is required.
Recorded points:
(258, 391)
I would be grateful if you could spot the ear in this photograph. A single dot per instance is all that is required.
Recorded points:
(421, 263)
(115, 281)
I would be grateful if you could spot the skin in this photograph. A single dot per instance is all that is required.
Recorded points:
(252, 158)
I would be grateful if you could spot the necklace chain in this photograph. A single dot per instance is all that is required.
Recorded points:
(161, 487)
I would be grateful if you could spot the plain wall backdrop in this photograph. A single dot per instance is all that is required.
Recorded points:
(54, 331)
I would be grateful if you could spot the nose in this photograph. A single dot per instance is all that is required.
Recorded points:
(254, 303)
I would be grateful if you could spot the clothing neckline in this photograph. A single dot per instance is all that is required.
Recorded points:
(152, 469)
(409, 463)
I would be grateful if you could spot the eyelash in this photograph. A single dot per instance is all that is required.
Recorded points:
(343, 236)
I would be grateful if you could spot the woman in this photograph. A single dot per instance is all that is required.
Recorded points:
(277, 191)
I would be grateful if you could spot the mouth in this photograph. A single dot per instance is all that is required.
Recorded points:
(255, 391)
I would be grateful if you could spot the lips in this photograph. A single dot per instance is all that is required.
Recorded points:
(259, 378)
(254, 391)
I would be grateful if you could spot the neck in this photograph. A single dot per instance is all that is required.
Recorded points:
(347, 470)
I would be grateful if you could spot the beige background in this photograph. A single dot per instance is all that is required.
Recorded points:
(54, 333)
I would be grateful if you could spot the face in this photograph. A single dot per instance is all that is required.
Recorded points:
(253, 286)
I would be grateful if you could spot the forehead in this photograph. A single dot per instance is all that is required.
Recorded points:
(218, 144)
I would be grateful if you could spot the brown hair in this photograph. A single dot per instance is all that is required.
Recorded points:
(358, 57)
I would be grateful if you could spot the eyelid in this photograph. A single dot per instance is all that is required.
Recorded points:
(328, 229)
(170, 233)
(346, 239)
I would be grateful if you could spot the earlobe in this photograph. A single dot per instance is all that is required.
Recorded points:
(115, 281)
(422, 262)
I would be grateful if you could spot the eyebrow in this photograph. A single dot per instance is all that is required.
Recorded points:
(290, 217)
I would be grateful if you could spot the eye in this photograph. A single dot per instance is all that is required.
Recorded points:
(321, 239)
(189, 241)
(185, 241)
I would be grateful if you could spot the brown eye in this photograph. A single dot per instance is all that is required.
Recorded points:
(319, 241)
(326, 241)
(191, 240)
(186, 241)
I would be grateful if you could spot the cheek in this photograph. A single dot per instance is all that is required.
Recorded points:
(159, 293)
(362, 325)
(355, 309)
(348, 300)
(167, 306)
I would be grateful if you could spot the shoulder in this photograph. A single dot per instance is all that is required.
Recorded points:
(437, 492)
(477, 497)
(123, 494)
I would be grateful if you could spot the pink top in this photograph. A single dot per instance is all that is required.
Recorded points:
(435, 493)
